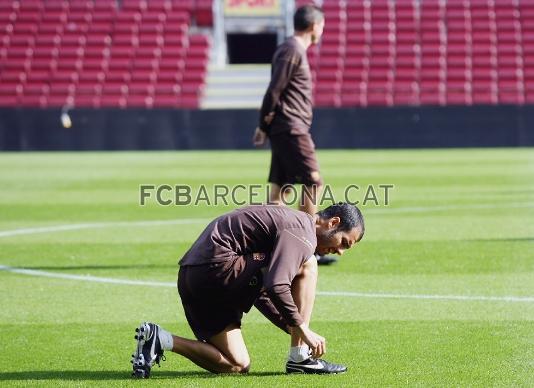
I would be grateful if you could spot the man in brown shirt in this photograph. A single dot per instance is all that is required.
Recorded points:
(287, 110)
(286, 115)
(261, 256)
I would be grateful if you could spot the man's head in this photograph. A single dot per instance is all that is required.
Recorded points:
(309, 19)
(338, 227)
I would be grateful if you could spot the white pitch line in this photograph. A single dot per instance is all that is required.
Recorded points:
(96, 225)
(528, 299)
(95, 279)
(46, 229)
(85, 278)
(423, 209)
(188, 221)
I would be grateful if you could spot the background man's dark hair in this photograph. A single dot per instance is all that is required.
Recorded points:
(350, 216)
(306, 16)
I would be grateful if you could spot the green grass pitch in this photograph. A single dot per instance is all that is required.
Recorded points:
(460, 223)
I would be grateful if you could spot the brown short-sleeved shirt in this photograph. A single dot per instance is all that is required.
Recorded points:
(287, 236)
(289, 94)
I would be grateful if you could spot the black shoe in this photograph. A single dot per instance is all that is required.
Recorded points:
(326, 260)
(315, 366)
(148, 351)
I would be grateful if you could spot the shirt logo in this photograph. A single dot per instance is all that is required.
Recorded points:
(258, 256)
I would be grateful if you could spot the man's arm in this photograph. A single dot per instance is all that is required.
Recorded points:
(266, 307)
(291, 249)
(283, 70)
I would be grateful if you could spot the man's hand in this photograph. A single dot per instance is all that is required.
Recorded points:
(269, 118)
(316, 343)
(259, 137)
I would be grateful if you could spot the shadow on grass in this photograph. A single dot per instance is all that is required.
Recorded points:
(75, 375)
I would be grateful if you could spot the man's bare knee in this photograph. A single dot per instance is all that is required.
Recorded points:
(312, 191)
(275, 194)
(241, 363)
(316, 177)
(234, 356)
(245, 368)
(241, 366)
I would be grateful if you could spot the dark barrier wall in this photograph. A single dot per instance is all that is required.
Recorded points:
(401, 127)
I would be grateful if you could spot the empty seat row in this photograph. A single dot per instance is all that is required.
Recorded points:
(425, 52)
(111, 58)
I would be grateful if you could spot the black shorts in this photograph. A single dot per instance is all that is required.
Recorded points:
(293, 160)
(215, 296)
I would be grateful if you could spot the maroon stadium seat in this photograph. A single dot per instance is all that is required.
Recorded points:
(84, 48)
(382, 52)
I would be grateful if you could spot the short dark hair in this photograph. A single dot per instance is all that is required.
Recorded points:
(350, 216)
(306, 16)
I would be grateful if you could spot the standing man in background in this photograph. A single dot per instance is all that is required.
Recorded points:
(286, 116)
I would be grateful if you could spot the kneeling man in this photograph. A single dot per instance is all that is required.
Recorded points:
(256, 255)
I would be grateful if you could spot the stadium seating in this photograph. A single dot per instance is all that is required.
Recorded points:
(92, 53)
(425, 52)
(87, 53)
